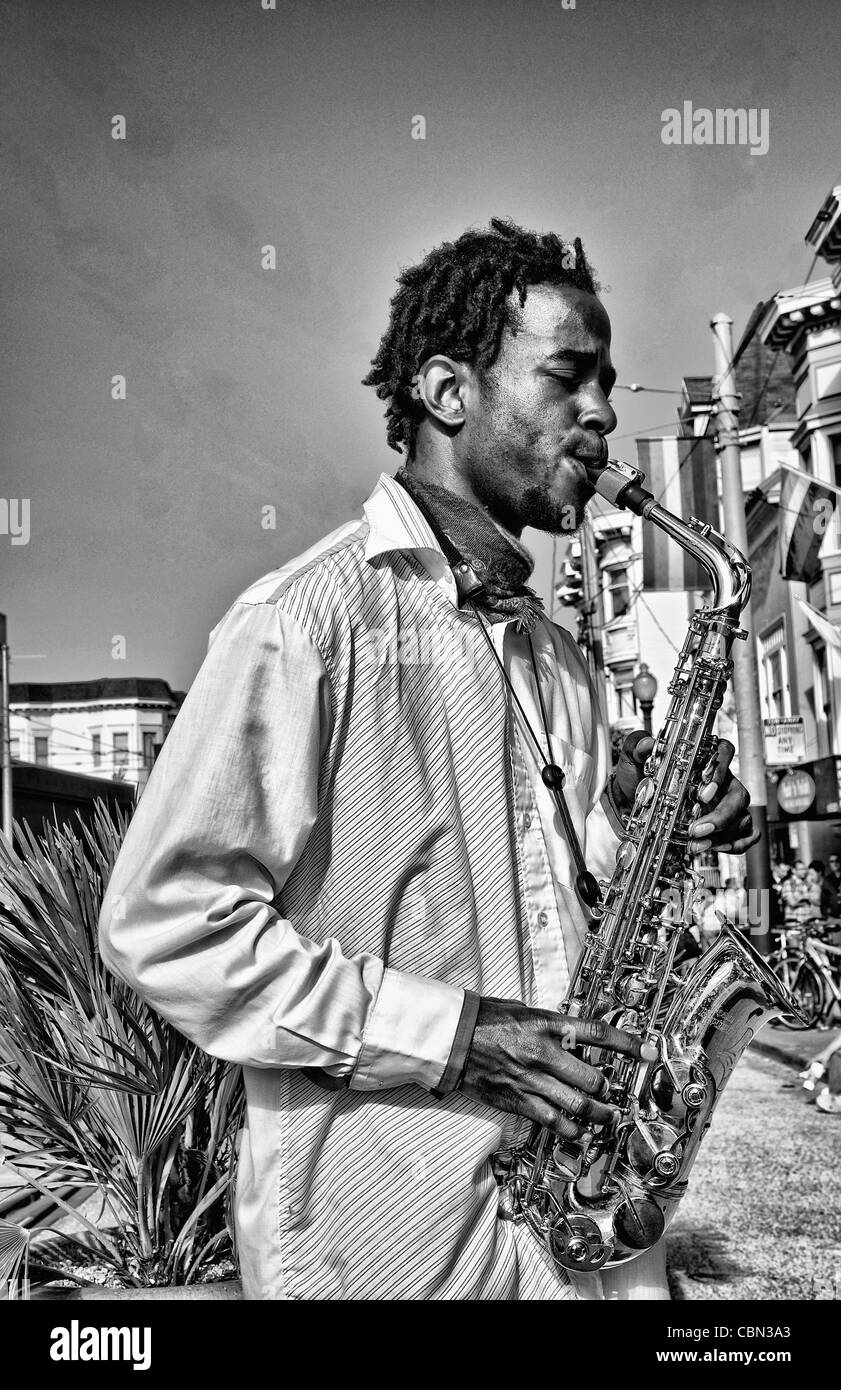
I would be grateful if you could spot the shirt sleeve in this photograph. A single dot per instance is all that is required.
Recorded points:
(190, 918)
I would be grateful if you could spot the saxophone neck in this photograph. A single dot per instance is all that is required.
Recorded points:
(726, 567)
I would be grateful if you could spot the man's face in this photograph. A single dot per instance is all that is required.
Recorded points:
(537, 415)
(800, 868)
(834, 863)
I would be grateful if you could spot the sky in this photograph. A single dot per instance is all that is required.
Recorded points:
(293, 127)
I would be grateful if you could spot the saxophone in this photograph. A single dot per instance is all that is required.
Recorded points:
(605, 1198)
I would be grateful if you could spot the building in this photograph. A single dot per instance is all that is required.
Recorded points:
(800, 671)
(109, 728)
(627, 624)
(45, 795)
(788, 373)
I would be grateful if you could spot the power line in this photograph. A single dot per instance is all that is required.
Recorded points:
(656, 390)
(715, 380)
(658, 624)
(635, 434)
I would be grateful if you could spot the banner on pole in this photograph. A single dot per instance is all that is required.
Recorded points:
(830, 632)
(681, 473)
(806, 507)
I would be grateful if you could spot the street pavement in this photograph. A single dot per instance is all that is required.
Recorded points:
(762, 1216)
(795, 1048)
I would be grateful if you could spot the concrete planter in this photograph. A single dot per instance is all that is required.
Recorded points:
(225, 1289)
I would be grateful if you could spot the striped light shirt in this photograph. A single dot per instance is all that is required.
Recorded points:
(345, 830)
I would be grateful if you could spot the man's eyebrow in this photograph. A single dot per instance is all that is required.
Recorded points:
(573, 354)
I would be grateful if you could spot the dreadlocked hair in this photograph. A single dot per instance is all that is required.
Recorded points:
(455, 302)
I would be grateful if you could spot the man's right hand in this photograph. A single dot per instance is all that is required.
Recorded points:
(521, 1061)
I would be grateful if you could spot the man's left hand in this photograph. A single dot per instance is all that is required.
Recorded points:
(721, 820)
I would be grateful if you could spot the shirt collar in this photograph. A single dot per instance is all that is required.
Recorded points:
(395, 522)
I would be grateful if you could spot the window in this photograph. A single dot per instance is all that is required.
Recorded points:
(775, 691)
(834, 582)
(776, 694)
(622, 702)
(96, 749)
(150, 749)
(618, 592)
(626, 706)
(14, 746)
(42, 750)
(120, 746)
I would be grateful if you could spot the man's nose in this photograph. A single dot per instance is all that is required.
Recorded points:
(597, 414)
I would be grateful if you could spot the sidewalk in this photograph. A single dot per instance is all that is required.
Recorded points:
(795, 1049)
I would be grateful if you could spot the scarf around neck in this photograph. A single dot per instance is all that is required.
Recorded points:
(468, 535)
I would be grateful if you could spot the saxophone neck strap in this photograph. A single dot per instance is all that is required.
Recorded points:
(552, 776)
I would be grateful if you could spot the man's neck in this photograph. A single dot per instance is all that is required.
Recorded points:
(441, 472)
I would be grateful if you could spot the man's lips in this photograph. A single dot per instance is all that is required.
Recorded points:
(594, 458)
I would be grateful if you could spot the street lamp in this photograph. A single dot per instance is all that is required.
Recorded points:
(644, 687)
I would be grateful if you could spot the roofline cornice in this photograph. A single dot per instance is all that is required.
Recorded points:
(791, 312)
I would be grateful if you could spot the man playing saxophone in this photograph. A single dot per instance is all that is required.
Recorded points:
(347, 873)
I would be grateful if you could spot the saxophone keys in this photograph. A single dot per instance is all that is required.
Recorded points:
(568, 1161)
(645, 792)
(626, 854)
(576, 1242)
(694, 1094)
(639, 1223)
(666, 1164)
(654, 1150)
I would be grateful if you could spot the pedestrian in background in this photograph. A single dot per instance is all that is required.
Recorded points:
(833, 871)
(826, 1067)
(831, 899)
(801, 897)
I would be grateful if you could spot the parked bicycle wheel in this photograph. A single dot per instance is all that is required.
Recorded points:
(803, 981)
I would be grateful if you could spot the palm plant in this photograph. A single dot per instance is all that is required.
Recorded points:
(96, 1090)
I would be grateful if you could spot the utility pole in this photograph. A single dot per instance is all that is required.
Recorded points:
(745, 671)
(5, 738)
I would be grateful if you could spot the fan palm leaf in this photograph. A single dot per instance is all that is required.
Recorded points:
(94, 1085)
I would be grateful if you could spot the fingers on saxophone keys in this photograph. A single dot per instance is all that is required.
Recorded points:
(708, 792)
(543, 1113)
(594, 1032)
(742, 836)
(581, 1108)
(563, 1126)
(571, 1071)
(739, 846)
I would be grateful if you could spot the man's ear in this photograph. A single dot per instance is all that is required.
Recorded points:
(440, 384)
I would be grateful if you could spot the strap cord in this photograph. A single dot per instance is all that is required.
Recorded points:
(552, 776)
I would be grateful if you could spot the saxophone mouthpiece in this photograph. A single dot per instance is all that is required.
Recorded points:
(619, 484)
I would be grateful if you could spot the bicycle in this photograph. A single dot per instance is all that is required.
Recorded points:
(810, 968)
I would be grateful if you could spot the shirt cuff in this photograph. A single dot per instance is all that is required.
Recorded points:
(410, 1033)
(461, 1046)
